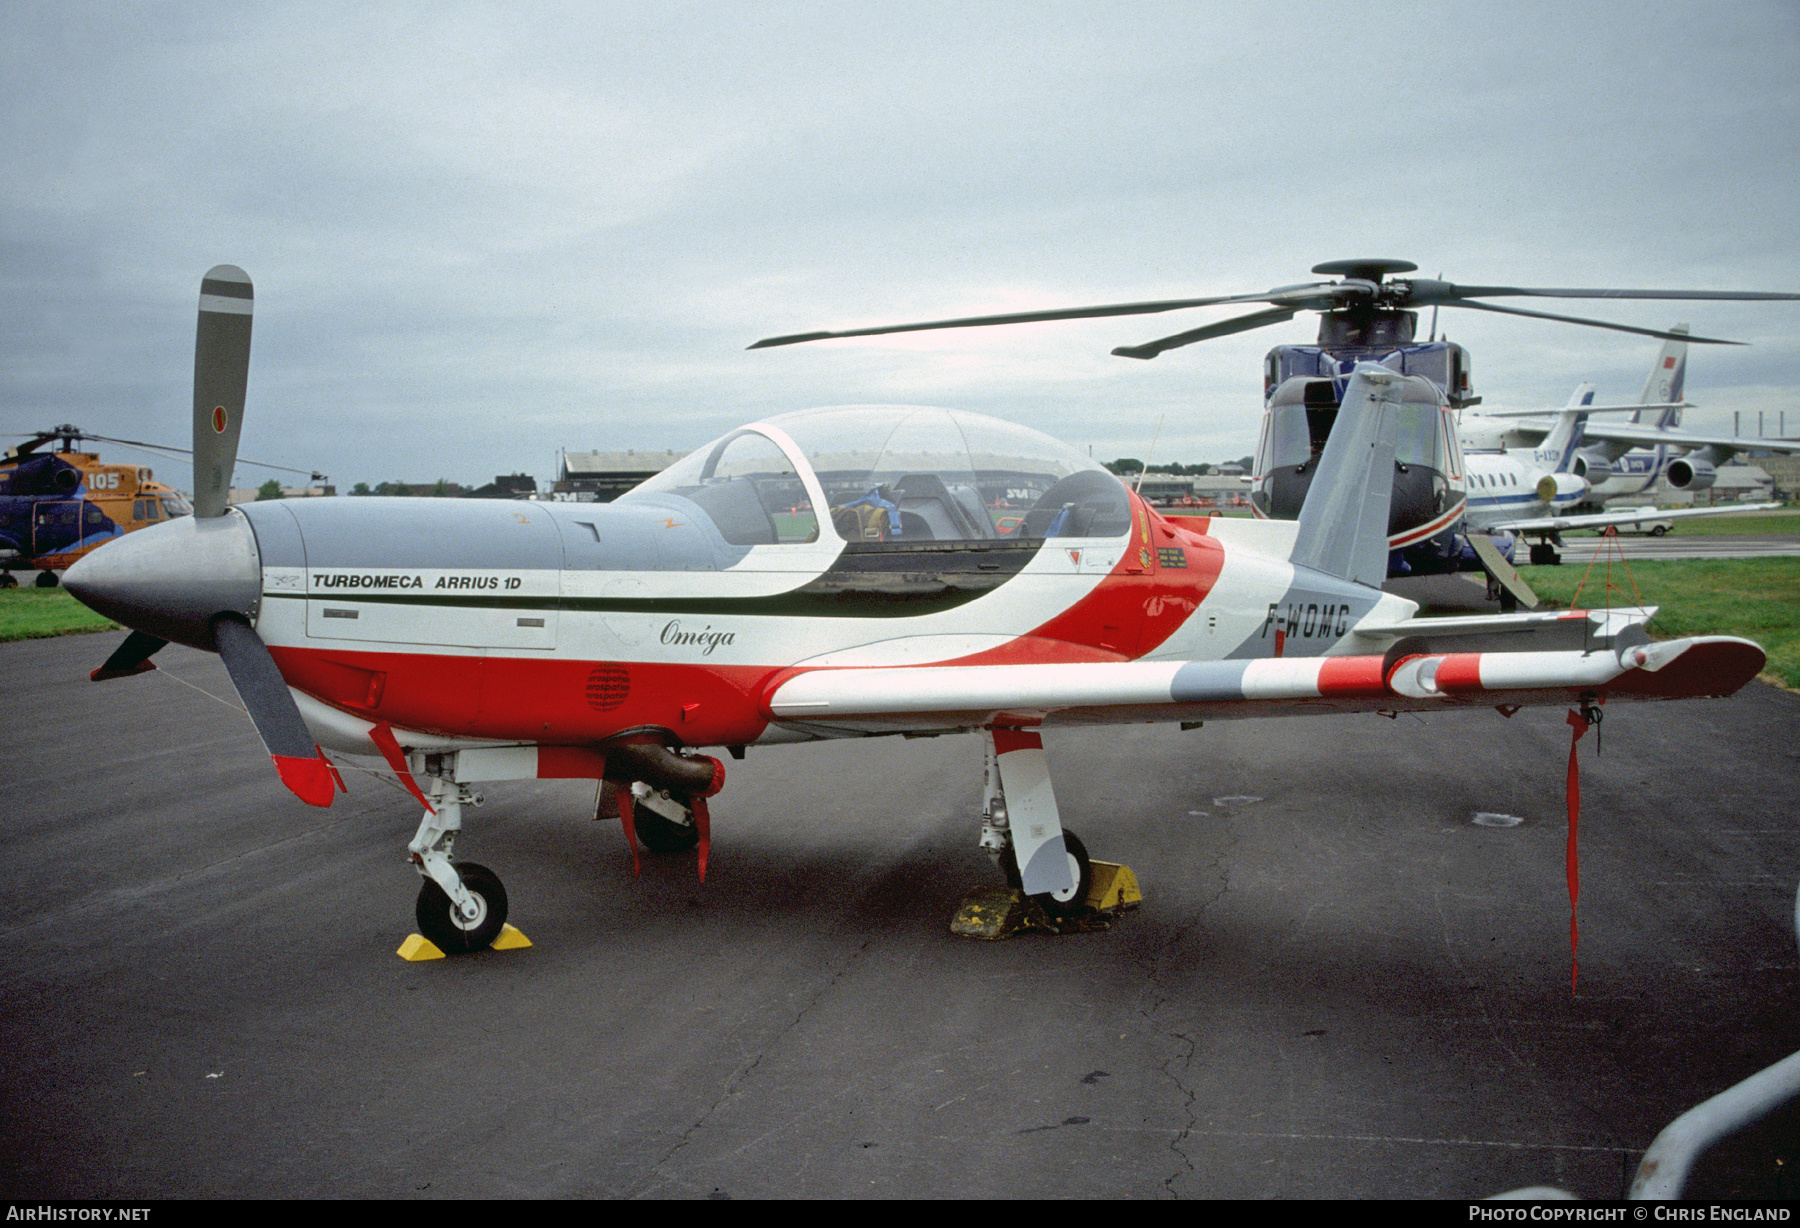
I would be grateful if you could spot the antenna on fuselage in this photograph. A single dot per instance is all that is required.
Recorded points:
(1154, 436)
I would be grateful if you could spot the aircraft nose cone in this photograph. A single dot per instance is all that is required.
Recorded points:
(173, 579)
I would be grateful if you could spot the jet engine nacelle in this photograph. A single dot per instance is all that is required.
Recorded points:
(1688, 473)
(1557, 488)
(1592, 466)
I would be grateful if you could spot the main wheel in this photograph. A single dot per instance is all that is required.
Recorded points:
(1060, 903)
(1659, 530)
(47, 579)
(440, 921)
(663, 835)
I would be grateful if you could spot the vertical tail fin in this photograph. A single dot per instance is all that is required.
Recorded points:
(1558, 448)
(1668, 380)
(1343, 529)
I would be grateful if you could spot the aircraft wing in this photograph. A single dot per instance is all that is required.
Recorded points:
(1540, 422)
(1543, 416)
(1649, 437)
(968, 696)
(1602, 520)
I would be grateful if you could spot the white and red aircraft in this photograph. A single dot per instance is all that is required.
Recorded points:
(833, 573)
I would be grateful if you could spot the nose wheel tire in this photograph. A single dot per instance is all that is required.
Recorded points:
(441, 922)
(1060, 903)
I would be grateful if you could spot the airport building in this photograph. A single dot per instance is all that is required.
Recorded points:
(601, 477)
(1207, 490)
(1784, 472)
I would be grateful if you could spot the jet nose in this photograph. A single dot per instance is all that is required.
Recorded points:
(173, 579)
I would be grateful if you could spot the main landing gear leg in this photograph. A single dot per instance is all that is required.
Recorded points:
(1022, 828)
(461, 908)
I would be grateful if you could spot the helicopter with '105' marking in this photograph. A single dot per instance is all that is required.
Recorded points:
(58, 503)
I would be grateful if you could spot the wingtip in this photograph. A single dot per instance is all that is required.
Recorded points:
(1696, 668)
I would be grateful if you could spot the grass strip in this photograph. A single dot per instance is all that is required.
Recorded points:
(38, 613)
(1758, 599)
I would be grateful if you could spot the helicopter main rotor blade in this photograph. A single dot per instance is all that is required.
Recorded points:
(221, 375)
(1662, 334)
(1321, 295)
(1224, 328)
(1361, 290)
(1423, 292)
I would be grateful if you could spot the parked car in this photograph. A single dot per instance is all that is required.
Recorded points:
(1655, 528)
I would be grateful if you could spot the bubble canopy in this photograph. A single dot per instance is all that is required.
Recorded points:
(899, 474)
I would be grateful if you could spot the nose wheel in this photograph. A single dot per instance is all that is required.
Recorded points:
(443, 922)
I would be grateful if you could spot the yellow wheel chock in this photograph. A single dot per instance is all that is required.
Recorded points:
(993, 913)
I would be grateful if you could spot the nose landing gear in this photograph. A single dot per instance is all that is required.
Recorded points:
(445, 924)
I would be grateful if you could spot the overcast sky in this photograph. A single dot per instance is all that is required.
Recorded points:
(480, 232)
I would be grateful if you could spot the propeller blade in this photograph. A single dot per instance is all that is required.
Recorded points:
(301, 764)
(1322, 295)
(131, 657)
(221, 375)
(1662, 334)
(1224, 328)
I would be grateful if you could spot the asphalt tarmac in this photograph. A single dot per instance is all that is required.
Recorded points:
(1339, 984)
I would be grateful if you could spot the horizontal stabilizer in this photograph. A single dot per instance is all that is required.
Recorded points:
(1472, 624)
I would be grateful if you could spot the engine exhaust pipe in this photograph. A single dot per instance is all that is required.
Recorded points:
(662, 768)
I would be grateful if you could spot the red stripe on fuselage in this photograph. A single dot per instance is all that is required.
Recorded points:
(1136, 607)
(527, 700)
(1133, 610)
